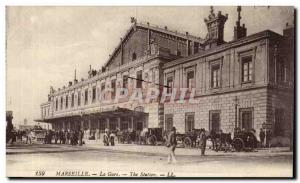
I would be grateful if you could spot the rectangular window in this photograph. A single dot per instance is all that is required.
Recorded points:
(189, 121)
(246, 118)
(86, 97)
(124, 126)
(72, 100)
(112, 125)
(139, 77)
(125, 81)
(168, 122)
(94, 94)
(214, 120)
(67, 101)
(169, 84)
(113, 87)
(56, 104)
(280, 71)
(247, 69)
(153, 76)
(79, 98)
(215, 76)
(190, 79)
(102, 125)
(61, 102)
(103, 90)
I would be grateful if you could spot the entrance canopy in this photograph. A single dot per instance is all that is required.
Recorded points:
(111, 112)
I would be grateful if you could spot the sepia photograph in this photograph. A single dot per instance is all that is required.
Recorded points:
(150, 91)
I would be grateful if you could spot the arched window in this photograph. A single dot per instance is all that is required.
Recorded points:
(133, 56)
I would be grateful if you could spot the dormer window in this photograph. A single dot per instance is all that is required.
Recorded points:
(133, 56)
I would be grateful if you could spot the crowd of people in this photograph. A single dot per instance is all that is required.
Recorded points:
(72, 137)
(109, 138)
(199, 137)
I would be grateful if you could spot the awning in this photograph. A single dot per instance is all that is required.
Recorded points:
(111, 112)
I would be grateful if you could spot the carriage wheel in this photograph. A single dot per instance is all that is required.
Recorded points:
(187, 142)
(152, 140)
(238, 144)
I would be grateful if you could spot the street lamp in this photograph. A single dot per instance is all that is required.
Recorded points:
(236, 104)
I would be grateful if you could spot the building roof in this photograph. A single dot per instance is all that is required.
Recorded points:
(154, 28)
(225, 46)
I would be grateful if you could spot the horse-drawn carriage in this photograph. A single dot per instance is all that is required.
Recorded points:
(126, 137)
(242, 141)
(188, 139)
(152, 136)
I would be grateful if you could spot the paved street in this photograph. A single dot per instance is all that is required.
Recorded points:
(133, 160)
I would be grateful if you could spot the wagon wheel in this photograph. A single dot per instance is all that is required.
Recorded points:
(187, 142)
(152, 140)
(238, 144)
(127, 139)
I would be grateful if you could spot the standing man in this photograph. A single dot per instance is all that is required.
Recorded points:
(56, 136)
(80, 136)
(106, 138)
(262, 136)
(202, 141)
(112, 138)
(171, 144)
(268, 138)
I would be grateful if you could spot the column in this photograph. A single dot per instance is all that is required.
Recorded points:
(69, 125)
(145, 125)
(81, 124)
(90, 127)
(98, 129)
(132, 123)
(64, 125)
(119, 123)
(90, 124)
(107, 123)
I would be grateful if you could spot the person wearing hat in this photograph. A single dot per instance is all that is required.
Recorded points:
(202, 141)
(171, 144)
(106, 138)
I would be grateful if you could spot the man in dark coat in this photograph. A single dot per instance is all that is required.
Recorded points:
(171, 144)
(202, 141)
(80, 136)
(61, 137)
(56, 136)
(262, 136)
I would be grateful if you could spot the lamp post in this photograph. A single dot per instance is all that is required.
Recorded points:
(236, 104)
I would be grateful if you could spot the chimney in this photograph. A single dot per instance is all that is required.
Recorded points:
(239, 32)
(215, 26)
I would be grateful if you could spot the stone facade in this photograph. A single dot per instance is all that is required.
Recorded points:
(265, 98)
(243, 83)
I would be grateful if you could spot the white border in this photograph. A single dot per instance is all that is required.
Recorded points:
(4, 3)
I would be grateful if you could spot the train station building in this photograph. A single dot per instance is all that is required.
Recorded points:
(247, 83)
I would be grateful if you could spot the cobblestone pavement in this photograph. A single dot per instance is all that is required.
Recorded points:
(124, 159)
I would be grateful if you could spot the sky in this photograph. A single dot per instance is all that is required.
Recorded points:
(46, 44)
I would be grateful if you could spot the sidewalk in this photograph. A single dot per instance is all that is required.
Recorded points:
(133, 148)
